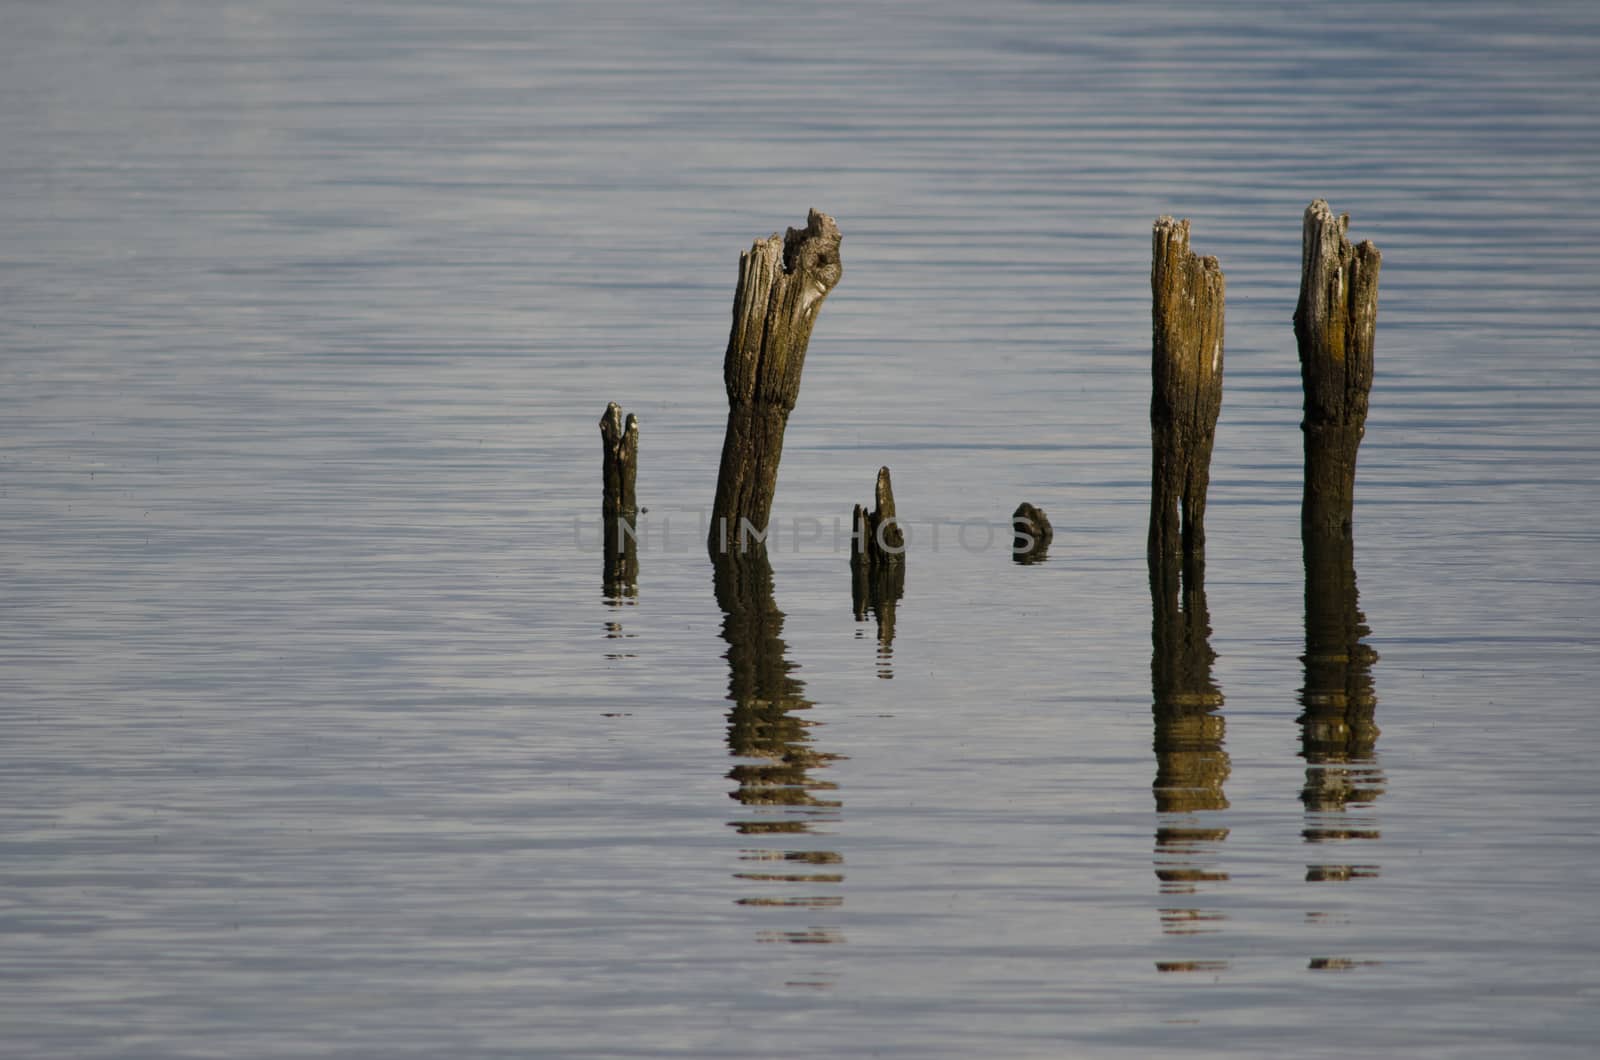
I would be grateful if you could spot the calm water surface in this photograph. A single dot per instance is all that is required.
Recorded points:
(323, 734)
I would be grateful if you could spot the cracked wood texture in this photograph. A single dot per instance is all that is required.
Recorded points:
(878, 541)
(1187, 294)
(782, 285)
(1334, 324)
(619, 442)
(620, 461)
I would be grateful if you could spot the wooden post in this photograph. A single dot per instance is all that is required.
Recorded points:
(619, 508)
(1334, 324)
(782, 285)
(877, 566)
(1186, 372)
(1032, 534)
(620, 443)
(878, 542)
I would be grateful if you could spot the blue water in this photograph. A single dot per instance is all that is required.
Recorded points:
(323, 737)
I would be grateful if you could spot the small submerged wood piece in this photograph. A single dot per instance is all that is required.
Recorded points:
(1032, 534)
(619, 507)
(783, 282)
(1335, 322)
(1186, 310)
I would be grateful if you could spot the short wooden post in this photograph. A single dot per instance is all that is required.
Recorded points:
(619, 507)
(1032, 534)
(782, 285)
(1187, 294)
(877, 566)
(1334, 324)
(878, 542)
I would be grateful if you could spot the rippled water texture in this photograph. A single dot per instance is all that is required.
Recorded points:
(324, 732)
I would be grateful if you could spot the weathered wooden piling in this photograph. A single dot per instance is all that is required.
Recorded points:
(878, 542)
(619, 508)
(877, 565)
(1334, 324)
(1187, 294)
(782, 285)
(620, 450)
(1032, 534)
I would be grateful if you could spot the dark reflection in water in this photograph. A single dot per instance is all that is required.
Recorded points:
(875, 592)
(619, 571)
(619, 578)
(1191, 765)
(776, 782)
(1338, 736)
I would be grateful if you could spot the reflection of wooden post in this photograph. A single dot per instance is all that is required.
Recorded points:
(782, 284)
(1032, 534)
(1338, 733)
(619, 508)
(1334, 324)
(1186, 372)
(763, 723)
(1191, 765)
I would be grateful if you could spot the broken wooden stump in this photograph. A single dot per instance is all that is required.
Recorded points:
(877, 541)
(782, 285)
(1334, 325)
(1186, 395)
(619, 508)
(620, 445)
(1032, 534)
(877, 565)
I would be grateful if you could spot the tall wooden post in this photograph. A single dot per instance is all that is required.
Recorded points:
(782, 285)
(1186, 308)
(1334, 325)
(620, 461)
(619, 507)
